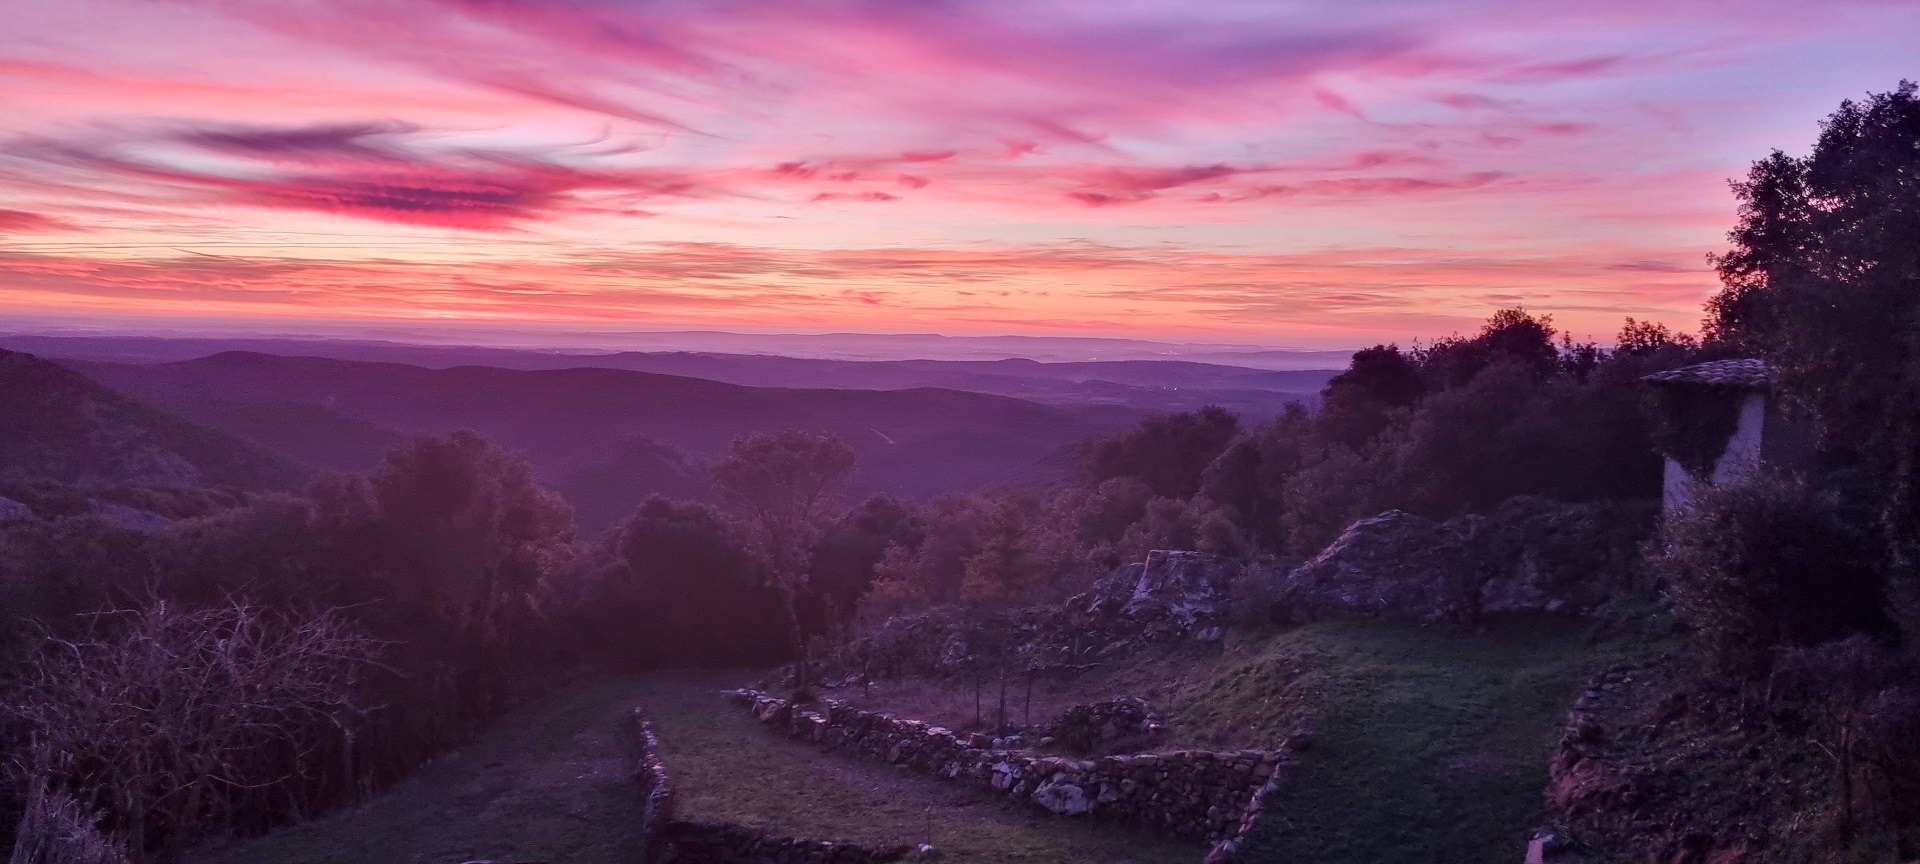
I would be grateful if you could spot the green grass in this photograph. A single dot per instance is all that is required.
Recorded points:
(726, 766)
(1430, 747)
(550, 782)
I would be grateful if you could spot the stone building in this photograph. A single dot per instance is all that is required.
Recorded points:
(1722, 420)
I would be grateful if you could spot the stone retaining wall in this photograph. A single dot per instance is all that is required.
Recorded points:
(669, 840)
(1193, 793)
(656, 790)
(1232, 848)
(688, 842)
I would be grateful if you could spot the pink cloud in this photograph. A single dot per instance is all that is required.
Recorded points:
(22, 222)
(367, 171)
(1509, 131)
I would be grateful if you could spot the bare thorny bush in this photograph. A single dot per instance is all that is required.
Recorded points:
(164, 720)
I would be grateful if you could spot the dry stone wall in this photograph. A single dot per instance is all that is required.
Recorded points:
(1191, 793)
(670, 840)
(1125, 722)
(1232, 849)
(686, 842)
(656, 790)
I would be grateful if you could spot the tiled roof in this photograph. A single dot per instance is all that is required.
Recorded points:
(1725, 373)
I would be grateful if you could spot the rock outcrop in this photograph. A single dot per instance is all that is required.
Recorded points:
(1529, 555)
(14, 511)
(1394, 565)
(1172, 593)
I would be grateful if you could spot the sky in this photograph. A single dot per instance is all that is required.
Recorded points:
(1275, 172)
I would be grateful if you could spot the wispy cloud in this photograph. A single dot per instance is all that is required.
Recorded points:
(1244, 167)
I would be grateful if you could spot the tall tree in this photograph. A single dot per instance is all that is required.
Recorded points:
(1003, 573)
(1355, 405)
(845, 559)
(1823, 279)
(471, 532)
(1168, 452)
(789, 484)
(694, 586)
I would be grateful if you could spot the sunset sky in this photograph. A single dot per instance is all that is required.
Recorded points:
(1265, 171)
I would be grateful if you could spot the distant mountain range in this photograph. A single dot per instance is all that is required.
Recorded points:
(605, 430)
(820, 346)
(58, 425)
(607, 438)
(1141, 385)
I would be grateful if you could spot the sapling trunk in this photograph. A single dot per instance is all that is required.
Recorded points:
(1026, 714)
(1003, 699)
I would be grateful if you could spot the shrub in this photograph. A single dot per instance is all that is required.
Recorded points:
(169, 721)
(1860, 705)
(1324, 498)
(1770, 563)
(1168, 452)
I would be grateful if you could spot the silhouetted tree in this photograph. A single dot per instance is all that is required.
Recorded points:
(1824, 281)
(1168, 452)
(1356, 404)
(1510, 336)
(1002, 574)
(845, 558)
(1248, 481)
(1640, 338)
(694, 592)
(789, 483)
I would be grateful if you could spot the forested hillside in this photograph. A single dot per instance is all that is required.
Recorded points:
(61, 426)
(609, 438)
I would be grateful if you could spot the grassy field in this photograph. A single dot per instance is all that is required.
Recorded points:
(1429, 747)
(550, 782)
(727, 766)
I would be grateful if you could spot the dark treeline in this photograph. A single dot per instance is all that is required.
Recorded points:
(421, 596)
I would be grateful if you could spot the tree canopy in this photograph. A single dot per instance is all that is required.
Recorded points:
(1823, 280)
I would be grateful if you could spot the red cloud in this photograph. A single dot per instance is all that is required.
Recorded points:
(22, 222)
(340, 169)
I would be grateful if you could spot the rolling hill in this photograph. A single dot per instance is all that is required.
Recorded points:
(1158, 385)
(607, 438)
(58, 425)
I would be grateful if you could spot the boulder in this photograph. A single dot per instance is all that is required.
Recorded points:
(132, 518)
(1543, 555)
(1065, 799)
(1528, 555)
(1395, 565)
(14, 511)
(1171, 593)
